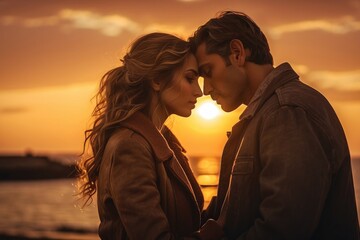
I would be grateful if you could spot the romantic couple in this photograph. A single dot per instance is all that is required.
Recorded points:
(285, 170)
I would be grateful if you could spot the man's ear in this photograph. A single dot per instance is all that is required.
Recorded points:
(237, 52)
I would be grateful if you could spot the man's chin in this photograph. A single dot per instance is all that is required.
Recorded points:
(227, 108)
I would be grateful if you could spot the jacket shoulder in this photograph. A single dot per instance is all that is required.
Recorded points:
(124, 138)
(320, 114)
(299, 94)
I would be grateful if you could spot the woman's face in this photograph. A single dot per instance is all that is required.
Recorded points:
(180, 97)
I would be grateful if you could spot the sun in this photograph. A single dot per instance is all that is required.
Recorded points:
(208, 110)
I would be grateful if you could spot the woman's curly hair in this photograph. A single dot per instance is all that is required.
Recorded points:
(125, 90)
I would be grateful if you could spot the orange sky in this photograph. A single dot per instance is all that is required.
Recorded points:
(53, 53)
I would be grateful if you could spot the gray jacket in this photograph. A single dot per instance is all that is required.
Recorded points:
(285, 170)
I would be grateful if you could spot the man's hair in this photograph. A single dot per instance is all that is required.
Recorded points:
(218, 32)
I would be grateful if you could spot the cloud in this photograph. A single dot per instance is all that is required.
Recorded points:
(8, 20)
(343, 81)
(343, 85)
(108, 25)
(340, 26)
(40, 22)
(13, 110)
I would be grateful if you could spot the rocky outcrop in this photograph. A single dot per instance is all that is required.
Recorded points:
(31, 167)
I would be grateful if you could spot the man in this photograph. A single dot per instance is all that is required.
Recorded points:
(285, 169)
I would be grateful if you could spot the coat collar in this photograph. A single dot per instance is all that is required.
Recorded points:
(141, 124)
(276, 78)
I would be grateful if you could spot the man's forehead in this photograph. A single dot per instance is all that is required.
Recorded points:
(201, 54)
(201, 49)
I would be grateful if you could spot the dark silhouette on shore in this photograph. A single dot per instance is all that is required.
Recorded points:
(30, 167)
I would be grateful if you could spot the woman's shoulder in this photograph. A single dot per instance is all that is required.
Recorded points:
(124, 138)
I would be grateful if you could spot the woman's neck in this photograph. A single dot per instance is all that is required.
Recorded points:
(157, 113)
(158, 120)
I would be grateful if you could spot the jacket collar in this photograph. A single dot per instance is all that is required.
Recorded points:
(276, 78)
(142, 125)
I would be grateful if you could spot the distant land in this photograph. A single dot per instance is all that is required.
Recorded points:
(31, 167)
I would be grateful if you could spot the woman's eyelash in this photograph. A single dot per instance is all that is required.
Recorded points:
(190, 79)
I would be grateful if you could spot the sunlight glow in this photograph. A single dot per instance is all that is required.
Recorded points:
(208, 180)
(208, 110)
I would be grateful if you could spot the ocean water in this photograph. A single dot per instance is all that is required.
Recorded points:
(45, 209)
(49, 209)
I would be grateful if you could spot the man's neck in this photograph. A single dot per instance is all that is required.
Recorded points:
(256, 74)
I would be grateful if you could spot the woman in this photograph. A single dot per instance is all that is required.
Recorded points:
(145, 187)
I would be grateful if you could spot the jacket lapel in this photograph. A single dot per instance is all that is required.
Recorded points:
(227, 160)
(175, 168)
(183, 164)
(139, 123)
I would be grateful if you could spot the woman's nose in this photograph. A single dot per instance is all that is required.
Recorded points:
(198, 92)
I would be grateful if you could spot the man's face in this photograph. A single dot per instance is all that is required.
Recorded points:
(227, 85)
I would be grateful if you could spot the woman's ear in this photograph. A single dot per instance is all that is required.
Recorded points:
(155, 84)
(237, 52)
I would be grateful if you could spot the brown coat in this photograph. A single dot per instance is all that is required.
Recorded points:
(286, 170)
(146, 189)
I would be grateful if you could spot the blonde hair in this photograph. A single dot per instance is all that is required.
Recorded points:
(125, 90)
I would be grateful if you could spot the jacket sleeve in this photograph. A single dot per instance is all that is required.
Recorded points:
(135, 193)
(294, 179)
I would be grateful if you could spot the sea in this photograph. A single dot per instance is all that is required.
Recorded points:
(50, 209)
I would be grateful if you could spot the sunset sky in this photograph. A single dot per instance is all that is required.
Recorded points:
(53, 54)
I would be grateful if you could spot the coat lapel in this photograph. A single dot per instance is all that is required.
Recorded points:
(139, 123)
(178, 172)
(227, 160)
